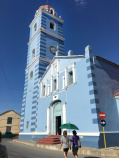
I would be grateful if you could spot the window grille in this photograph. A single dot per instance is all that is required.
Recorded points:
(70, 77)
(9, 120)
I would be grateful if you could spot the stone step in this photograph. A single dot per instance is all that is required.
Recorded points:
(56, 136)
(50, 140)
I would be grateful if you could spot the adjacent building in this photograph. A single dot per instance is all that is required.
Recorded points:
(61, 89)
(10, 122)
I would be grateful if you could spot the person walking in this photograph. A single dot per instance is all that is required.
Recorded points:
(66, 143)
(3, 149)
(76, 141)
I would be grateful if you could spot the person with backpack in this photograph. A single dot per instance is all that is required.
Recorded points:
(75, 144)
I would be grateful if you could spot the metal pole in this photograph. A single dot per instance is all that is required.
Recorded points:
(104, 138)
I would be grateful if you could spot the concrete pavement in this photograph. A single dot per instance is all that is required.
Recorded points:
(110, 152)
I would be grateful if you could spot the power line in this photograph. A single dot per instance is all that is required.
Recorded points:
(8, 84)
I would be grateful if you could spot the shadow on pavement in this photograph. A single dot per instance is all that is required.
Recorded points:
(15, 156)
(91, 157)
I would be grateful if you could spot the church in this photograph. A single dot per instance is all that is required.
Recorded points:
(60, 89)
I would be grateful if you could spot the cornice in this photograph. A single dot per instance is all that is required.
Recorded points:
(116, 97)
(45, 31)
(39, 58)
(52, 34)
(51, 15)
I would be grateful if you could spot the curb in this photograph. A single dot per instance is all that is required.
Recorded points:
(83, 150)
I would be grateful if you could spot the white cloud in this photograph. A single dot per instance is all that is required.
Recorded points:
(81, 3)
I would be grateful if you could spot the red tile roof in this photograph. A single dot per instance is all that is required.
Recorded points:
(117, 94)
(46, 7)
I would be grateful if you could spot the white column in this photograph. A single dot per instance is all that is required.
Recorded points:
(63, 82)
(52, 69)
(57, 81)
(41, 91)
(74, 72)
(48, 115)
(64, 112)
(65, 77)
(57, 65)
(51, 84)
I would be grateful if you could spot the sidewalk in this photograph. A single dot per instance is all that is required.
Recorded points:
(112, 151)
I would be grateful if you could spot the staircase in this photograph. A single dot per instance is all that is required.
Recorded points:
(50, 140)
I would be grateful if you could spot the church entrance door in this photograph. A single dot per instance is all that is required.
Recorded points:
(56, 117)
(58, 124)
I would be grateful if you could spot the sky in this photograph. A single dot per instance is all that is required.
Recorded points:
(86, 22)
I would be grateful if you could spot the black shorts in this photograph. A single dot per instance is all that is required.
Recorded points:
(65, 149)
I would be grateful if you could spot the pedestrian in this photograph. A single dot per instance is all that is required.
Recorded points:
(3, 149)
(66, 143)
(75, 145)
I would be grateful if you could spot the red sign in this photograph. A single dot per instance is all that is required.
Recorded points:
(102, 115)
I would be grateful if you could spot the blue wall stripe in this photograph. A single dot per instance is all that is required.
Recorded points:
(95, 121)
(43, 43)
(22, 120)
(34, 92)
(22, 115)
(33, 112)
(35, 96)
(32, 123)
(93, 92)
(33, 107)
(95, 110)
(92, 83)
(34, 102)
(32, 129)
(91, 75)
(89, 60)
(33, 118)
(36, 83)
(90, 68)
(93, 101)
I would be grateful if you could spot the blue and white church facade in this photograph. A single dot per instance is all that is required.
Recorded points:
(61, 89)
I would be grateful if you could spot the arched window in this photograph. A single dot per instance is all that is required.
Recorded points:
(33, 53)
(52, 25)
(70, 77)
(51, 11)
(35, 27)
(31, 75)
(55, 85)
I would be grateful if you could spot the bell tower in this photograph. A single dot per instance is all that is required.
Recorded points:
(46, 33)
